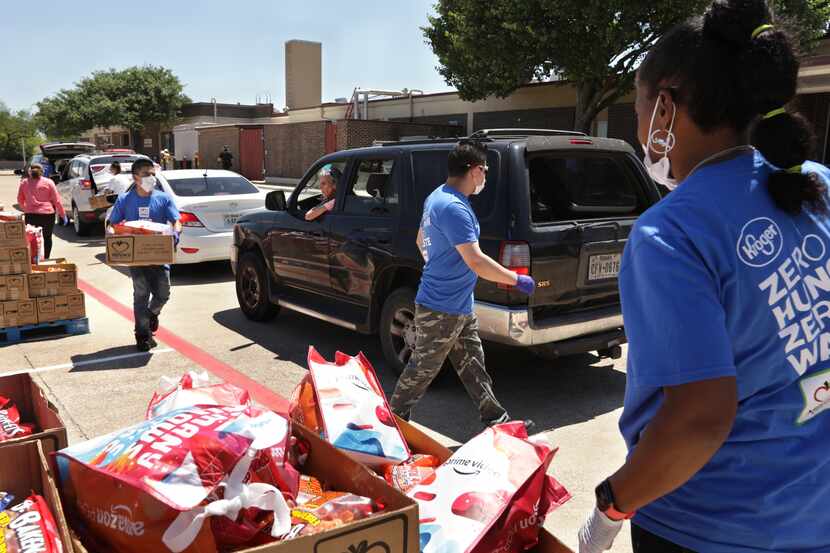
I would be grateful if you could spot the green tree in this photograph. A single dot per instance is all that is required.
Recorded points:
(130, 98)
(492, 48)
(18, 132)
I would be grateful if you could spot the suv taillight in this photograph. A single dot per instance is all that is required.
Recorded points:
(189, 220)
(516, 257)
(86, 183)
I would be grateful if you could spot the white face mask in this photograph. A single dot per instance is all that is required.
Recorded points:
(148, 183)
(661, 169)
(479, 188)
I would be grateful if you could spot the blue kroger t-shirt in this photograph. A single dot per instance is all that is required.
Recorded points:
(447, 283)
(157, 207)
(716, 281)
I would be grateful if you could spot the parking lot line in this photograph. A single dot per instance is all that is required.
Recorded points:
(88, 362)
(260, 393)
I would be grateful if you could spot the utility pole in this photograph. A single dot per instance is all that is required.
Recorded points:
(23, 150)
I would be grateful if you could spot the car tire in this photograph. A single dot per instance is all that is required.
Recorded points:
(252, 288)
(397, 328)
(81, 228)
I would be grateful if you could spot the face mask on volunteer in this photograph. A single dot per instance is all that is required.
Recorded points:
(660, 170)
(480, 187)
(148, 183)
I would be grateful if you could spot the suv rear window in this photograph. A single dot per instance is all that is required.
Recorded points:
(564, 187)
(431, 172)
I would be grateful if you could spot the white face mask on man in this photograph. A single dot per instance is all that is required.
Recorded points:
(480, 187)
(148, 183)
(660, 170)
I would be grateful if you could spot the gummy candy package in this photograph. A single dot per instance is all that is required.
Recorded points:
(327, 511)
(10, 425)
(29, 527)
(193, 389)
(350, 409)
(491, 495)
(420, 469)
(152, 486)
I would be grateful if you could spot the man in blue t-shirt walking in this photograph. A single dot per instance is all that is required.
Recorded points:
(444, 319)
(143, 201)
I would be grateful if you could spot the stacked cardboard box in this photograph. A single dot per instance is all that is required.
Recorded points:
(34, 294)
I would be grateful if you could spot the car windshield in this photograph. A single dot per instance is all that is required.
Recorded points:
(211, 186)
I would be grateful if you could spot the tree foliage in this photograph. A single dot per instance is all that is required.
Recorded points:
(130, 98)
(494, 47)
(18, 132)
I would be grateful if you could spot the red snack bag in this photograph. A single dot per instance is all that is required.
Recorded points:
(29, 526)
(420, 469)
(10, 425)
(328, 510)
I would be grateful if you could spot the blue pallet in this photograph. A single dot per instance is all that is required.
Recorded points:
(44, 331)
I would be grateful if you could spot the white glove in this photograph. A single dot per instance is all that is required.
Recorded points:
(598, 533)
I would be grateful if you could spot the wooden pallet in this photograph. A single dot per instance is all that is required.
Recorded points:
(43, 331)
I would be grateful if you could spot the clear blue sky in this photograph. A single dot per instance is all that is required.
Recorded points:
(232, 49)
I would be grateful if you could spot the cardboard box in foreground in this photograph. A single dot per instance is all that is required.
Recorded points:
(421, 443)
(13, 234)
(18, 313)
(61, 308)
(140, 249)
(34, 408)
(52, 280)
(27, 470)
(15, 259)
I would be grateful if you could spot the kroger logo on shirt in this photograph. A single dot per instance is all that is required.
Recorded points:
(760, 242)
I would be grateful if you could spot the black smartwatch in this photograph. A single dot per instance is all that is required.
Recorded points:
(607, 504)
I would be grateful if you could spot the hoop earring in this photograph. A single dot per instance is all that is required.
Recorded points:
(667, 144)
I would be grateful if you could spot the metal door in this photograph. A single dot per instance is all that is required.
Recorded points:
(251, 154)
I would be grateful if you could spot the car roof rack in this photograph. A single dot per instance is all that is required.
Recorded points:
(514, 133)
(406, 142)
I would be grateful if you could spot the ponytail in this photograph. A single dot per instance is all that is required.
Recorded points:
(786, 139)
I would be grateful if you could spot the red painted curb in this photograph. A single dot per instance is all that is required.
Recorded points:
(260, 393)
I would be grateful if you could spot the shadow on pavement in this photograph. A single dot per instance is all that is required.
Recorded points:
(210, 272)
(95, 239)
(552, 393)
(102, 360)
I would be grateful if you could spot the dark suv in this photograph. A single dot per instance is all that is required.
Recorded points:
(558, 206)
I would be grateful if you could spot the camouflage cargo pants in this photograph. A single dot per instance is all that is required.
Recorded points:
(439, 335)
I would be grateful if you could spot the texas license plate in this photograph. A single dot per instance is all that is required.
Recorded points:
(604, 266)
(231, 220)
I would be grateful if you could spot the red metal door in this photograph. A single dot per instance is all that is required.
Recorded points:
(251, 154)
(331, 137)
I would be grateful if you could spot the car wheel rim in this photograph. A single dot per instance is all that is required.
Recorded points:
(76, 219)
(250, 287)
(402, 329)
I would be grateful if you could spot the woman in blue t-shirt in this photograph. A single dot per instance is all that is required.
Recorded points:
(725, 289)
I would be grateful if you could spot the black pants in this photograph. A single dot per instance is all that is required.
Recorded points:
(643, 541)
(47, 223)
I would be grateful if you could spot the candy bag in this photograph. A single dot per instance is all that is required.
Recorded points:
(10, 425)
(420, 469)
(154, 484)
(499, 473)
(34, 236)
(29, 527)
(328, 510)
(351, 409)
(193, 389)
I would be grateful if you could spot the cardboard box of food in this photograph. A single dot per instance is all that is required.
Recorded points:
(18, 313)
(140, 249)
(61, 307)
(15, 260)
(419, 442)
(394, 530)
(14, 287)
(34, 408)
(12, 234)
(102, 201)
(27, 470)
(52, 279)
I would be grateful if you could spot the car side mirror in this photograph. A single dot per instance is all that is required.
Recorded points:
(275, 201)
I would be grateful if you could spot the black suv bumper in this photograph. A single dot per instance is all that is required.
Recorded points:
(513, 326)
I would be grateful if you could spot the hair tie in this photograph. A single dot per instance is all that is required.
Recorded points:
(773, 113)
(760, 29)
(795, 170)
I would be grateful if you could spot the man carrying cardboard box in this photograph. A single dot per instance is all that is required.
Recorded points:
(143, 201)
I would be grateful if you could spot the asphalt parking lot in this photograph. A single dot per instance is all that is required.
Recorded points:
(100, 383)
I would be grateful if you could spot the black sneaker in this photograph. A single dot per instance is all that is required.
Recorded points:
(152, 342)
(529, 424)
(142, 344)
(154, 323)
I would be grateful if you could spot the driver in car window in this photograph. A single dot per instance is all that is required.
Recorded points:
(329, 177)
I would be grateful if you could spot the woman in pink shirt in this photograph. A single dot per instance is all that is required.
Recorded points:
(38, 199)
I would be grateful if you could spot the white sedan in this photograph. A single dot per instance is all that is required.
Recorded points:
(210, 201)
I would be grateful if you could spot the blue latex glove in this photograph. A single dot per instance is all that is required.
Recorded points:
(65, 221)
(525, 284)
